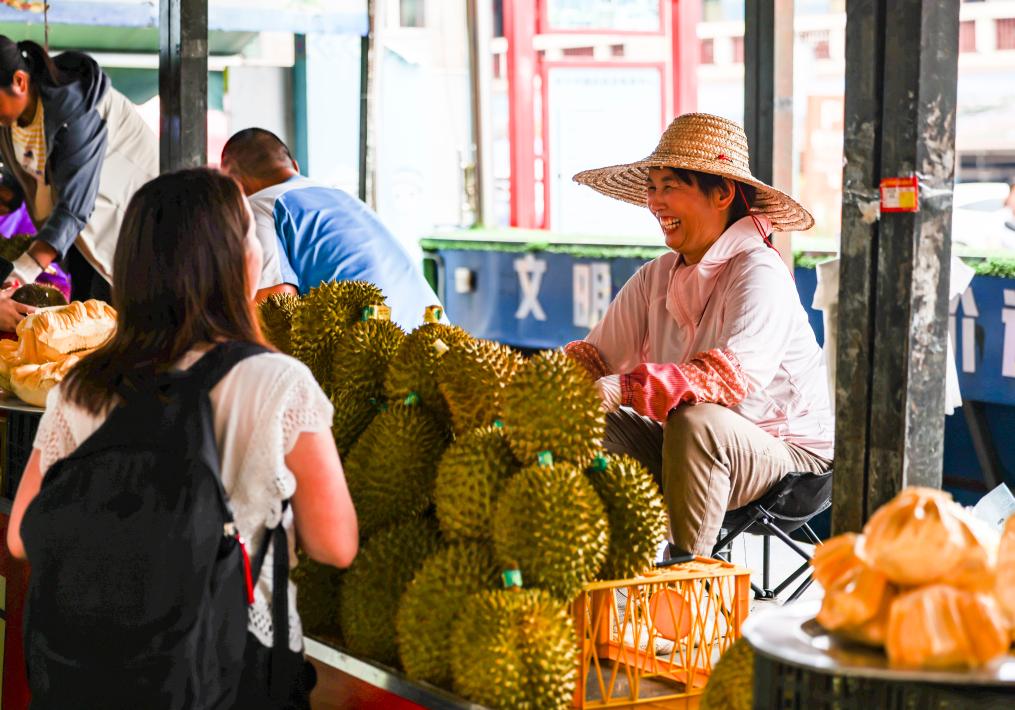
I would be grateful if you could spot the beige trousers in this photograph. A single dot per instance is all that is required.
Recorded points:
(707, 459)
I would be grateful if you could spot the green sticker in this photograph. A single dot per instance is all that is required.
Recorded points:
(511, 578)
(412, 399)
(498, 423)
(599, 463)
(545, 458)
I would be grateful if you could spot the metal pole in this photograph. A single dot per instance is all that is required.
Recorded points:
(893, 291)
(759, 84)
(480, 19)
(301, 141)
(519, 28)
(183, 83)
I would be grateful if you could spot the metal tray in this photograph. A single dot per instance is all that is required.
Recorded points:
(791, 635)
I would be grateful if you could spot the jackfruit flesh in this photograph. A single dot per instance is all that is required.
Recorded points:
(276, 314)
(414, 368)
(373, 586)
(431, 604)
(362, 353)
(550, 405)
(470, 475)
(514, 649)
(637, 515)
(472, 376)
(391, 467)
(549, 521)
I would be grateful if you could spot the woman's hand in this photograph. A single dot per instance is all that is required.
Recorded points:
(12, 312)
(609, 391)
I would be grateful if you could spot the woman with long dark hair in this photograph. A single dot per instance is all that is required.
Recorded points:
(194, 262)
(80, 150)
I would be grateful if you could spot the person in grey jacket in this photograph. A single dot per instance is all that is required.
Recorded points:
(80, 150)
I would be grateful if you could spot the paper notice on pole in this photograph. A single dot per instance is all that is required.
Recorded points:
(996, 507)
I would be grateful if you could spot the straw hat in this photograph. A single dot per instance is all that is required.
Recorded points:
(708, 144)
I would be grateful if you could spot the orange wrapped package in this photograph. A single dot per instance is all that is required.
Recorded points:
(940, 626)
(1005, 587)
(857, 597)
(922, 537)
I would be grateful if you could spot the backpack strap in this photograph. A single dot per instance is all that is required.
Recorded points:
(280, 675)
(217, 362)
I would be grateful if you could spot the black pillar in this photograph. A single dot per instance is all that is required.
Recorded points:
(759, 85)
(183, 83)
(902, 67)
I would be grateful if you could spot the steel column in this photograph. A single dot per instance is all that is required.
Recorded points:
(183, 83)
(894, 269)
(759, 84)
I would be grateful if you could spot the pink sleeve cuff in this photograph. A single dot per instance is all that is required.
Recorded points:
(653, 389)
(587, 355)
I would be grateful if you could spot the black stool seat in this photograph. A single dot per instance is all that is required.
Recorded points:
(786, 508)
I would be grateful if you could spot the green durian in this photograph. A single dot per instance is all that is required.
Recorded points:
(373, 586)
(731, 685)
(432, 602)
(326, 311)
(353, 413)
(276, 313)
(362, 353)
(39, 295)
(391, 468)
(514, 649)
(470, 475)
(13, 247)
(637, 514)
(414, 368)
(550, 523)
(471, 378)
(317, 597)
(551, 405)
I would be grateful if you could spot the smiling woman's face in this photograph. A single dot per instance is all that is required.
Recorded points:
(691, 220)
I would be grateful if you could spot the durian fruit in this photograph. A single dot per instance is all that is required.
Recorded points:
(362, 353)
(13, 247)
(472, 377)
(550, 522)
(550, 405)
(391, 467)
(470, 475)
(414, 368)
(514, 649)
(326, 311)
(276, 313)
(353, 413)
(39, 296)
(637, 515)
(731, 685)
(373, 586)
(317, 596)
(432, 602)
(1004, 587)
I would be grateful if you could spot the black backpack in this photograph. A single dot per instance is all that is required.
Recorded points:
(139, 584)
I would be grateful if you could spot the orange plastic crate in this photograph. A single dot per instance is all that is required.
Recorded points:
(698, 606)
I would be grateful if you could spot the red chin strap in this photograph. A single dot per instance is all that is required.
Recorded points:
(757, 222)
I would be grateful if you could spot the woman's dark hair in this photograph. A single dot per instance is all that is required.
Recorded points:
(29, 57)
(709, 184)
(179, 280)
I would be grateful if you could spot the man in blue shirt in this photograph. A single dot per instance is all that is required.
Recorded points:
(312, 234)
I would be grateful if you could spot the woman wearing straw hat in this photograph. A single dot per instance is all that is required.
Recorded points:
(705, 359)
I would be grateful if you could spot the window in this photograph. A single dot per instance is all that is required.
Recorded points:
(1005, 33)
(967, 36)
(578, 52)
(818, 42)
(708, 51)
(738, 50)
(411, 13)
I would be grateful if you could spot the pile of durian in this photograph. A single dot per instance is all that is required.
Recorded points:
(483, 499)
(928, 582)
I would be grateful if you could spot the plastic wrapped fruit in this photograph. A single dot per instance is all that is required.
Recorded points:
(940, 626)
(1005, 585)
(857, 598)
(922, 536)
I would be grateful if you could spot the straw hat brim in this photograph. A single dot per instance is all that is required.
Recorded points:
(627, 182)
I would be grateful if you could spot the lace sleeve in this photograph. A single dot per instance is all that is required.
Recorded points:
(305, 409)
(53, 438)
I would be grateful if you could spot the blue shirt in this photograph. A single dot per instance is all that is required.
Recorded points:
(311, 234)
